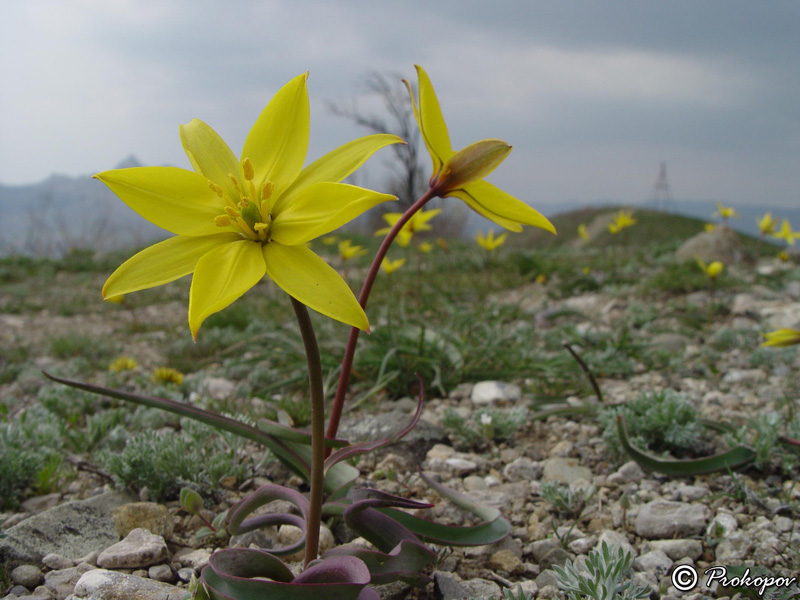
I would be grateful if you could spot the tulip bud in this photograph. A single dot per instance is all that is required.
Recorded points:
(473, 163)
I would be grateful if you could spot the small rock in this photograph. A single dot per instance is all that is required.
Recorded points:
(39, 504)
(523, 469)
(734, 547)
(153, 517)
(161, 573)
(505, 560)
(110, 585)
(616, 540)
(197, 559)
(63, 581)
(669, 342)
(664, 519)
(582, 545)
(655, 562)
(139, 549)
(630, 472)
(677, 549)
(491, 392)
(27, 575)
(461, 466)
(289, 534)
(473, 483)
(219, 388)
(186, 574)
(722, 525)
(565, 470)
(54, 561)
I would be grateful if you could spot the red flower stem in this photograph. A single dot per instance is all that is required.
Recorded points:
(350, 350)
(317, 477)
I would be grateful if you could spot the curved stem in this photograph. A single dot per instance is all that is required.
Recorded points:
(317, 430)
(350, 350)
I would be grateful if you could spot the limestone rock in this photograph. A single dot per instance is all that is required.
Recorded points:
(722, 244)
(139, 549)
(153, 517)
(109, 585)
(664, 519)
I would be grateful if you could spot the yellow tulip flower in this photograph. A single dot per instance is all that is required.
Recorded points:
(417, 222)
(766, 224)
(782, 337)
(583, 233)
(489, 242)
(390, 266)
(709, 227)
(726, 212)
(425, 247)
(461, 174)
(783, 255)
(236, 220)
(713, 270)
(786, 233)
(347, 250)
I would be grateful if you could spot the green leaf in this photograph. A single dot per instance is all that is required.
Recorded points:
(724, 461)
(191, 501)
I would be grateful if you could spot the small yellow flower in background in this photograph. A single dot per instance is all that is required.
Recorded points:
(623, 219)
(418, 222)
(582, 232)
(783, 255)
(489, 242)
(330, 240)
(442, 244)
(123, 363)
(709, 227)
(425, 247)
(586, 270)
(766, 224)
(167, 375)
(460, 174)
(613, 228)
(390, 266)
(725, 212)
(782, 337)
(713, 270)
(236, 220)
(786, 233)
(347, 250)
(541, 279)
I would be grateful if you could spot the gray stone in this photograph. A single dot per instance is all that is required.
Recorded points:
(72, 529)
(473, 483)
(219, 388)
(39, 504)
(734, 547)
(27, 575)
(109, 585)
(677, 549)
(62, 582)
(523, 469)
(627, 473)
(415, 445)
(153, 517)
(448, 586)
(664, 519)
(669, 342)
(139, 549)
(722, 244)
(565, 470)
(616, 540)
(656, 562)
(491, 392)
(54, 561)
(161, 573)
(197, 559)
(460, 466)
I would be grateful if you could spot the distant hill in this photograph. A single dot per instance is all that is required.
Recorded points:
(59, 213)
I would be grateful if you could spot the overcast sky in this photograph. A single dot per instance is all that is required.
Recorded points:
(593, 95)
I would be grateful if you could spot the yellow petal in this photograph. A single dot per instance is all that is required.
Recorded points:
(310, 280)
(430, 121)
(177, 200)
(337, 164)
(278, 142)
(221, 276)
(321, 208)
(162, 262)
(782, 338)
(500, 207)
(210, 155)
(472, 163)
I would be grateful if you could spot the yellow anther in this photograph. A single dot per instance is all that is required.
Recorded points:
(267, 189)
(245, 202)
(260, 226)
(215, 188)
(232, 212)
(247, 169)
(234, 182)
(246, 228)
(222, 220)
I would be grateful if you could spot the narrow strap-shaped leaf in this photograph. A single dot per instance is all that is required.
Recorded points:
(290, 434)
(281, 449)
(383, 531)
(724, 461)
(405, 562)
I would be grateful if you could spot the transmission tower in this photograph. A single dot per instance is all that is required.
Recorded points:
(662, 197)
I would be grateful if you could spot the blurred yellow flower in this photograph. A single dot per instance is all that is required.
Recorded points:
(123, 363)
(725, 212)
(786, 233)
(461, 174)
(167, 375)
(709, 227)
(442, 244)
(489, 242)
(783, 255)
(582, 232)
(348, 250)
(330, 240)
(236, 220)
(425, 247)
(541, 279)
(782, 337)
(417, 222)
(390, 266)
(713, 270)
(766, 224)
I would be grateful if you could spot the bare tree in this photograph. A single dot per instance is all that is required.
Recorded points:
(409, 181)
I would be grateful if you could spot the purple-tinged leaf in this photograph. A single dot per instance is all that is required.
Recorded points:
(405, 562)
(382, 531)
